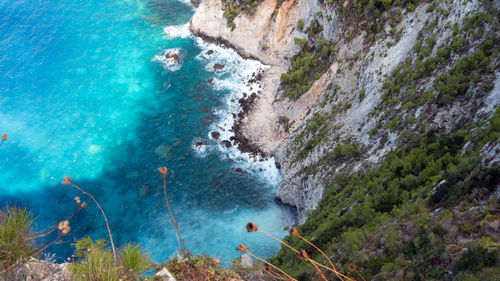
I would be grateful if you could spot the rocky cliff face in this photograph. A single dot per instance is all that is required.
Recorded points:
(348, 98)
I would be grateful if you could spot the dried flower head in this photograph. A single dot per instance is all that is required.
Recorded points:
(83, 205)
(242, 248)
(77, 200)
(66, 180)
(66, 230)
(293, 232)
(303, 256)
(252, 227)
(216, 260)
(163, 171)
(4, 137)
(269, 269)
(64, 227)
(351, 267)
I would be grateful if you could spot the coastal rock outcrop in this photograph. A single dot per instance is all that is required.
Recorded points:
(344, 96)
(172, 56)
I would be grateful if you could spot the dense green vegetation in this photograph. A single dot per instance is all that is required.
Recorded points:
(307, 66)
(233, 8)
(393, 201)
(474, 70)
(317, 54)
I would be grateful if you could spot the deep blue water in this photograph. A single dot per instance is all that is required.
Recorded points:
(85, 92)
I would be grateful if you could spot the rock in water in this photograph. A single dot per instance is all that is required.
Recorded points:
(226, 143)
(199, 144)
(172, 56)
(195, 3)
(209, 52)
(215, 135)
(218, 66)
(238, 170)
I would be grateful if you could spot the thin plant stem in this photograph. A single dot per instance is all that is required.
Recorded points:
(272, 265)
(296, 251)
(104, 216)
(270, 236)
(334, 271)
(318, 270)
(357, 272)
(55, 226)
(319, 250)
(173, 219)
(274, 275)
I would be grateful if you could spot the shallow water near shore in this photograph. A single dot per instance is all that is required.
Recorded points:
(85, 91)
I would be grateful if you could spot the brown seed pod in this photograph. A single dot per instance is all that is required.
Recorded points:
(66, 180)
(351, 267)
(163, 171)
(303, 256)
(66, 230)
(252, 227)
(242, 248)
(293, 232)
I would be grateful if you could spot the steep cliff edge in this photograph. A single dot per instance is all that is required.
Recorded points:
(345, 104)
(266, 36)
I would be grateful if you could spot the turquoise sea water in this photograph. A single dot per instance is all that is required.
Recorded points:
(85, 91)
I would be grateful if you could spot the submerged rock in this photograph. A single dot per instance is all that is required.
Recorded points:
(215, 135)
(226, 143)
(218, 66)
(172, 56)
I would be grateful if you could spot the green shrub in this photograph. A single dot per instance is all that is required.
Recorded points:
(134, 259)
(15, 236)
(96, 262)
(476, 259)
(300, 24)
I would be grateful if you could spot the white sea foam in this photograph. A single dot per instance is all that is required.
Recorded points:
(169, 63)
(234, 77)
(177, 31)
